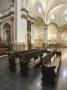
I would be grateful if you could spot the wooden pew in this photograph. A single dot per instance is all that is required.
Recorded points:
(12, 62)
(12, 55)
(28, 59)
(3, 50)
(47, 58)
(50, 70)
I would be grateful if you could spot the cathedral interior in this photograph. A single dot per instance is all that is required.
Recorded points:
(33, 44)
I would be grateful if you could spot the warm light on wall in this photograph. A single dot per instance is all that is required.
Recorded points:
(51, 36)
(52, 33)
(64, 37)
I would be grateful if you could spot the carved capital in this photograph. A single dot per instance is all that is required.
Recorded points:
(31, 19)
(12, 10)
(23, 9)
(12, 17)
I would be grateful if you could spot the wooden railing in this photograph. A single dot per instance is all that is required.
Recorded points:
(22, 46)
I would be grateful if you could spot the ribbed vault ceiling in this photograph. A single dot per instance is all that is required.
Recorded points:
(49, 10)
(58, 8)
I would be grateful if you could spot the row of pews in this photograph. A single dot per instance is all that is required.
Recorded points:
(49, 61)
(50, 67)
(5, 48)
(27, 59)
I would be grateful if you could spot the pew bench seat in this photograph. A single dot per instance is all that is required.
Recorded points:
(50, 70)
(56, 63)
(4, 49)
(33, 63)
(27, 59)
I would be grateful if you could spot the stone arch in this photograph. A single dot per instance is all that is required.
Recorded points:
(55, 7)
(39, 27)
(39, 19)
(52, 34)
(6, 33)
(52, 23)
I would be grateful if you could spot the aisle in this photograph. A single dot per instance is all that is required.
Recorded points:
(62, 80)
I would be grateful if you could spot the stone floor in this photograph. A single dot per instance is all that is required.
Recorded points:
(14, 80)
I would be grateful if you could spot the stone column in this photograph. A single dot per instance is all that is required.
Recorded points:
(45, 40)
(12, 20)
(59, 38)
(32, 35)
(24, 14)
(29, 34)
(12, 28)
(30, 21)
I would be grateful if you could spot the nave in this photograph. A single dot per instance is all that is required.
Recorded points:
(27, 29)
(14, 81)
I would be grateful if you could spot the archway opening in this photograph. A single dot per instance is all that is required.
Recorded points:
(37, 37)
(6, 33)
